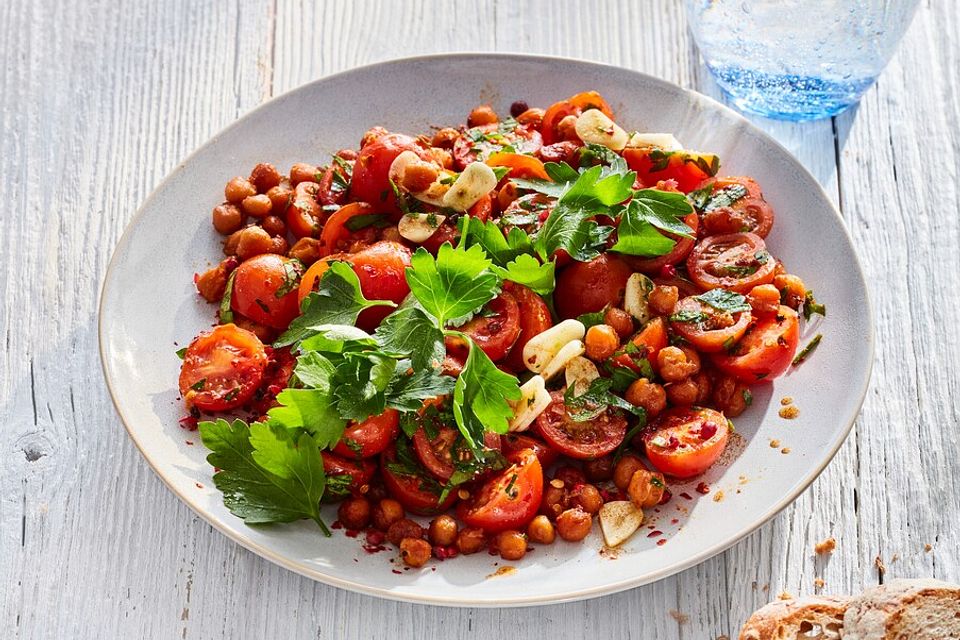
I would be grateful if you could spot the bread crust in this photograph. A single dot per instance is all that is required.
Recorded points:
(881, 613)
(785, 619)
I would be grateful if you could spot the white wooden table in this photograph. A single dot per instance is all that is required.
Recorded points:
(100, 99)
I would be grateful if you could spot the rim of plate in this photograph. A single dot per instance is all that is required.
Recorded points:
(593, 592)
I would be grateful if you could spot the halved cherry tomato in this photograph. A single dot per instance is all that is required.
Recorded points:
(649, 341)
(447, 232)
(222, 368)
(276, 377)
(534, 319)
(329, 192)
(412, 491)
(436, 455)
(585, 287)
(304, 215)
(513, 443)
(765, 351)
(370, 437)
(370, 181)
(735, 261)
(360, 471)
(685, 442)
(336, 235)
(574, 105)
(688, 168)
(508, 501)
(747, 213)
(528, 212)
(313, 275)
(582, 440)
(265, 289)
(496, 327)
(706, 328)
(682, 248)
(479, 143)
(521, 166)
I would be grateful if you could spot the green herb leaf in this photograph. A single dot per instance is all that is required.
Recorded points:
(807, 350)
(181, 352)
(292, 270)
(480, 396)
(811, 306)
(528, 271)
(455, 284)
(312, 410)
(226, 312)
(723, 300)
(725, 197)
(592, 319)
(408, 390)
(378, 220)
(595, 400)
(689, 315)
(410, 332)
(645, 216)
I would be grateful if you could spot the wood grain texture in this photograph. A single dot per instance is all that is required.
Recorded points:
(97, 104)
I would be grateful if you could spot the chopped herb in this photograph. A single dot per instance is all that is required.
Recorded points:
(226, 312)
(181, 352)
(263, 305)
(500, 172)
(726, 301)
(509, 490)
(363, 221)
(592, 319)
(725, 197)
(232, 394)
(292, 270)
(689, 315)
(198, 385)
(811, 306)
(747, 397)
(660, 159)
(807, 350)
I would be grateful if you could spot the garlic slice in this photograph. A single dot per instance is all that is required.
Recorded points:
(619, 519)
(533, 400)
(664, 141)
(541, 348)
(571, 350)
(417, 227)
(476, 181)
(594, 127)
(579, 373)
(635, 297)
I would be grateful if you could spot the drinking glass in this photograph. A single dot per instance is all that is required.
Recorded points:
(797, 59)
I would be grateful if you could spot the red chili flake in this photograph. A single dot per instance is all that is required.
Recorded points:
(667, 496)
(396, 571)
(661, 542)
(674, 521)
(336, 525)
(708, 430)
(352, 533)
(216, 469)
(703, 488)
(668, 271)
(189, 442)
(196, 277)
(673, 443)
(442, 553)
(544, 215)
(189, 423)
(375, 537)
(199, 486)
(610, 495)
(654, 534)
(686, 496)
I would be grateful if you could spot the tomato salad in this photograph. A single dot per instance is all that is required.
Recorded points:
(512, 328)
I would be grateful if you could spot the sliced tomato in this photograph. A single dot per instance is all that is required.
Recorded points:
(265, 289)
(360, 471)
(654, 265)
(706, 328)
(222, 368)
(574, 105)
(370, 181)
(688, 168)
(370, 437)
(528, 212)
(512, 443)
(311, 278)
(648, 341)
(735, 261)
(685, 442)
(731, 214)
(415, 492)
(336, 235)
(521, 166)
(534, 319)
(304, 215)
(479, 143)
(581, 440)
(510, 500)
(329, 191)
(436, 455)
(765, 351)
(586, 287)
(496, 327)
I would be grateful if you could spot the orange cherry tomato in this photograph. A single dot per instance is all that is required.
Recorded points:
(685, 442)
(649, 341)
(688, 168)
(312, 277)
(521, 166)
(765, 351)
(508, 501)
(336, 235)
(370, 437)
(591, 100)
(222, 368)
(574, 105)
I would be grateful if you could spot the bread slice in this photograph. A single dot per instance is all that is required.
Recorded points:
(812, 618)
(905, 610)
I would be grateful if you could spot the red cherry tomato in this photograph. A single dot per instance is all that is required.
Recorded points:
(513, 443)
(509, 500)
(479, 143)
(436, 455)
(370, 437)
(682, 248)
(381, 269)
(534, 319)
(370, 182)
(684, 286)
(688, 168)
(276, 377)
(360, 471)
(496, 327)
(735, 261)
(706, 328)
(574, 105)
(685, 442)
(412, 492)
(747, 213)
(585, 287)
(265, 290)
(581, 440)
(222, 368)
(304, 215)
(336, 235)
(330, 192)
(648, 341)
(765, 351)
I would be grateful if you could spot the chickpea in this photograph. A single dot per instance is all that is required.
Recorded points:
(257, 206)
(262, 331)
(599, 469)
(372, 135)
(441, 156)
(663, 298)
(541, 531)
(346, 154)
(264, 177)
(510, 544)
(620, 320)
(570, 476)
(237, 189)
(764, 300)
(567, 128)
(306, 250)
(646, 394)
(354, 513)
(481, 115)
(418, 177)
(303, 172)
(574, 524)
(676, 364)
(230, 244)
(391, 234)
(646, 488)
(385, 513)
(444, 138)
(252, 241)
(507, 195)
(280, 197)
(792, 290)
(403, 528)
(415, 552)
(730, 396)
(704, 385)
(684, 393)
(279, 245)
(443, 531)
(601, 342)
(553, 502)
(274, 226)
(587, 498)
(470, 541)
(212, 284)
(531, 117)
(624, 469)
(227, 218)
(779, 269)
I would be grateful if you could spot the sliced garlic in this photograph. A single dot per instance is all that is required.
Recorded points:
(435, 192)
(664, 141)
(619, 520)
(476, 181)
(635, 297)
(571, 350)
(594, 127)
(417, 227)
(579, 373)
(541, 348)
(533, 400)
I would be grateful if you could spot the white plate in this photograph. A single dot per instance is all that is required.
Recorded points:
(149, 307)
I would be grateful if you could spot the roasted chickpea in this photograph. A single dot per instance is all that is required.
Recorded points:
(385, 513)
(279, 245)
(354, 513)
(481, 115)
(391, 234)
(415, 552)
(646, 394)
(441, 156)
(730, 396)
(620, 320)
(586, 497)
(444, 138)
(574, 524)
(531, 117)
(403, 528)
(601, 342)
(792, 290)
(704, 386)
(306, 250)
(510, 544)
(507, 195)
(470, 541)
(303, 172)
(683, 393)
(237, 189)
(663, 298)
(646, 488)
(212, 284)
(567, 128)
(346, 154)
(252, 241)
(371, 135)
(230, 244)
(443, 531)
(764, 300)
(624, 469)
(541, 531)
(257, 206)
(274, 225)
(227, 218)
(570, 476)
(264, 177)
(599, 469)
(676, 365)
(280, 197)
(553, 502)
(262, 331)
(418, 177)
